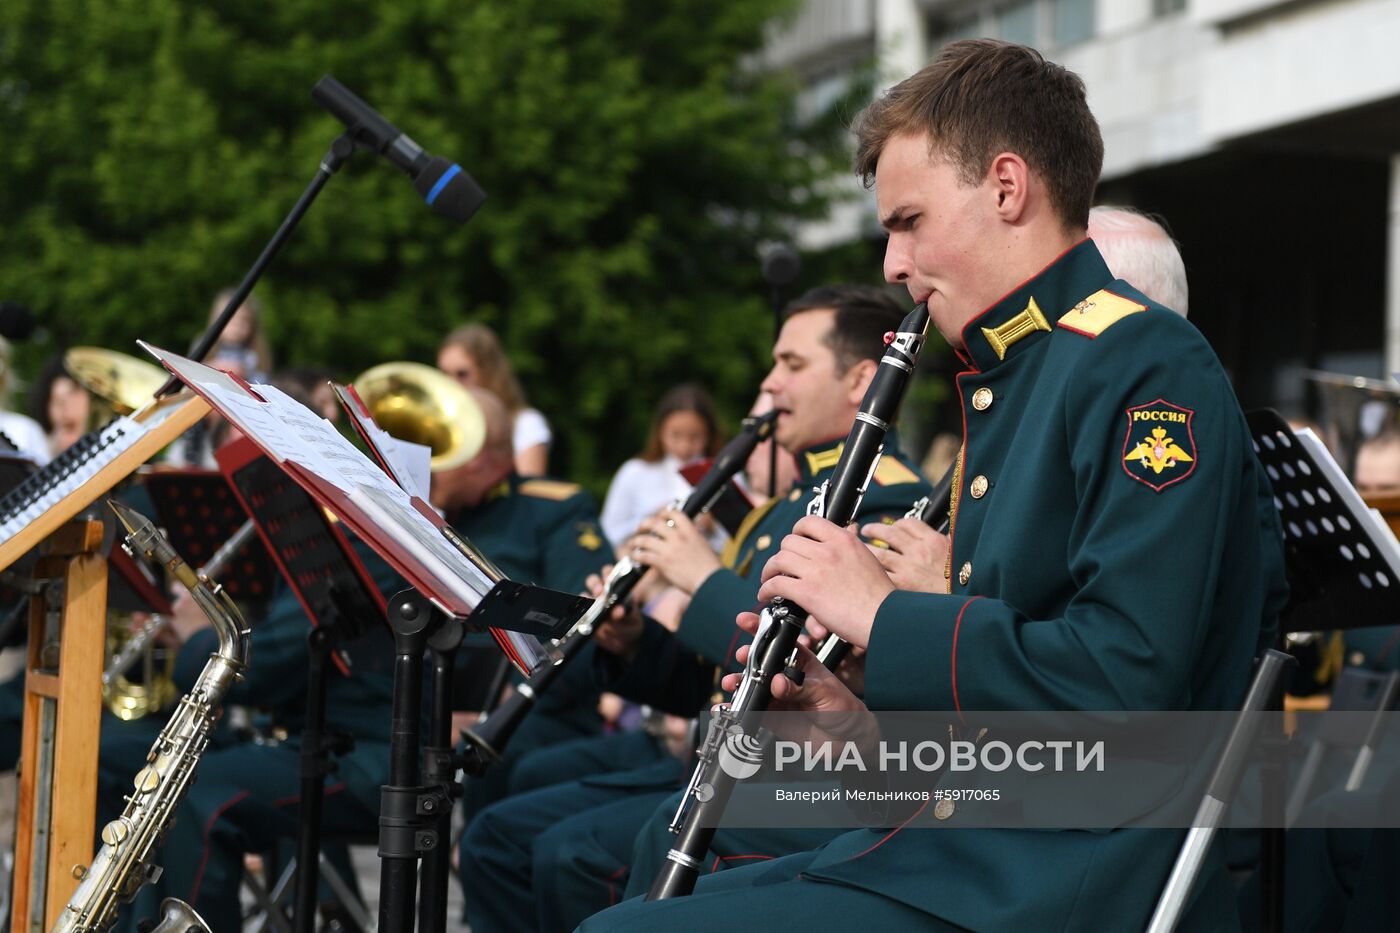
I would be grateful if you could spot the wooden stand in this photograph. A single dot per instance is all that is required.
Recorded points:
(56, 817)
(1387, 502)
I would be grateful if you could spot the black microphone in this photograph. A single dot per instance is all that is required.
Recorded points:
(447, 189)
(16, 322)
(781, 264)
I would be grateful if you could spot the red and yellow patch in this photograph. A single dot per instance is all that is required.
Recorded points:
(1159, 449)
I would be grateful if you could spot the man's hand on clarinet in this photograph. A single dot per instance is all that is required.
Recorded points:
(916, 556)
(671, 544)
(621, 629)
(835, 713)
(830, 573)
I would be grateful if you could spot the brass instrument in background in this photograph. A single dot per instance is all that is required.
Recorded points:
(119, 385)
(130, 648)
(123, 863)
(423, 405)
(125, 649)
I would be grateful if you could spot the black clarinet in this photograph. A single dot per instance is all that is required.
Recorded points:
(486, 741)
(933, 510)
(774, 649)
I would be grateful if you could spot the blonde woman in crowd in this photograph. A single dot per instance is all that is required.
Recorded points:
(472, 355)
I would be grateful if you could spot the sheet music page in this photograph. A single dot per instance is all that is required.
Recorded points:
(424, 539)
(293, 433)
(410, 464)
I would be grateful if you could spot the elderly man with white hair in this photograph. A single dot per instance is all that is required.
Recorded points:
(1139, 250)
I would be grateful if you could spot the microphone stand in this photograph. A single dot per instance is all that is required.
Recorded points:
(781, 265)
(343, 147)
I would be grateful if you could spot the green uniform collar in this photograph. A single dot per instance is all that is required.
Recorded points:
(1028, 313)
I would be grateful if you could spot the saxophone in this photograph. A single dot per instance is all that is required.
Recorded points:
(123, 864)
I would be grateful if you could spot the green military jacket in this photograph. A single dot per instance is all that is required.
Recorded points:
(1114, 547)
(540, 531)
(545, 532)
(675, 672)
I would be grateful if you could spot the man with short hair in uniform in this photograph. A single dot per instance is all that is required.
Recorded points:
(547, 858)
(1113, 544)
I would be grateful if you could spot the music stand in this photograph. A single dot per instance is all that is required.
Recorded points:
(338, 595)
(198, 511)
(1343, 566)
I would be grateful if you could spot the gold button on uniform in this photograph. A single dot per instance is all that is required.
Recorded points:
(943, 809)
(764, 541)
(982, 399)
(979, 486)
(795, 495)
(965, 573)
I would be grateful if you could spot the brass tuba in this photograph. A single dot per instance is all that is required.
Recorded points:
(423, 405)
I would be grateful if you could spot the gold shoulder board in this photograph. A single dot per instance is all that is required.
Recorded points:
(1098, 313)
(891, 472)
(549, 489)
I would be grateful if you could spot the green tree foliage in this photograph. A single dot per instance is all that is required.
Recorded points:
(632, 156)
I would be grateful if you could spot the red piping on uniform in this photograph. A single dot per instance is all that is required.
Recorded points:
(957, 705)
(612, 890)
(295, 798)
(229, 804)
(952, 523)
(989, 307)
(890, 835)
(734, 858)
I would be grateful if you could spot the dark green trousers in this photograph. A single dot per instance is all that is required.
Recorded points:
(770, 895)
(503, 845)
(731, 847)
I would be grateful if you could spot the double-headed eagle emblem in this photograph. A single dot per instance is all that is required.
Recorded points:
(1159, 449)
(1158, 452)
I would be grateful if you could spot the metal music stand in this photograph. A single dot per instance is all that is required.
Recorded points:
(1343, 567)
(347, 612)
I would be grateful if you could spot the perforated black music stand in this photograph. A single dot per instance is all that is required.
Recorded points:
(1343, 565)
(1343, 561)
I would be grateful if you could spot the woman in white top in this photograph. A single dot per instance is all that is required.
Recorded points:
(683, 428)
(472, 355)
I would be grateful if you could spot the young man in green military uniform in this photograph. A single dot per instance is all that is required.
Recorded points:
(548, 858)
(1113, 544)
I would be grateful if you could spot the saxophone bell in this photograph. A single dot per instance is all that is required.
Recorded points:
(178, 917)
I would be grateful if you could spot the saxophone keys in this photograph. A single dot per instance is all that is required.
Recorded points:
(114, 833)
(146, 780)
(79, 872)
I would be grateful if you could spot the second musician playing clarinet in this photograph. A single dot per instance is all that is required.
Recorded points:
(559, 853)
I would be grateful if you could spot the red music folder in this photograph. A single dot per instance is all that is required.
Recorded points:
(401, 528)
(311, 551)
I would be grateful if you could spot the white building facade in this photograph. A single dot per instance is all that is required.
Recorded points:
(1266, 132)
